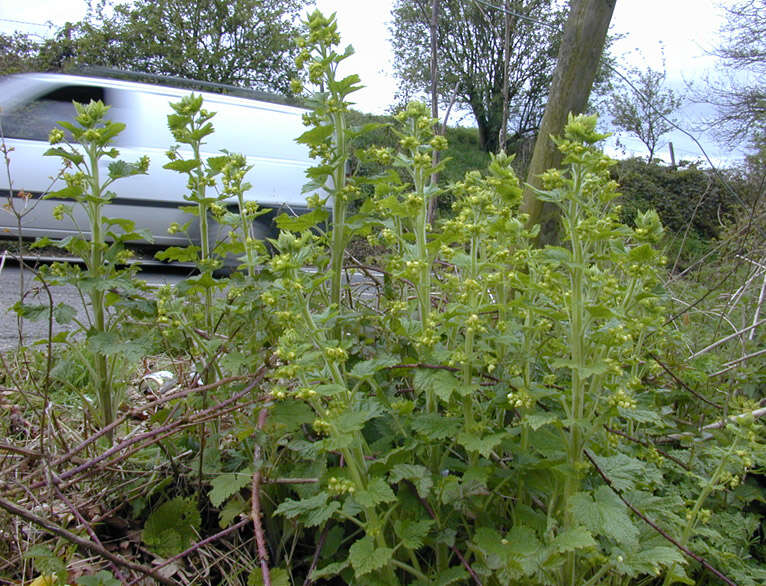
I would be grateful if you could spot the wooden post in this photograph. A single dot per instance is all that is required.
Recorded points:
(672, 155)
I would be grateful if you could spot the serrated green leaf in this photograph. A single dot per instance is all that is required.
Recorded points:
(366, 557)
(75, 157)
(522, 541)
(178, 254)
(441, 382)
(319, 517)
(623, 471)
(235, 506)
(291, 415)
(434, 426)
(63, 313)
(368, 368)
(182, 166)
(330, 570)
(277, 577)
(573, 539)
(476, 443)
(377, 492)
(649, 560)
(348, 421)
(412, 533)
(32, 312)
(225, 485)
(537, 420)
(303, 222)
(46, 562)
(315, 509)
(415, 473)
(120, 169)
(172, 527)
(451, 576)
(605, 514)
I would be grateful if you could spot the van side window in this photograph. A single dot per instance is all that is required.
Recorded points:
(34, 120)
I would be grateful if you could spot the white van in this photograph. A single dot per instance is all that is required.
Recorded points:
(32, 104)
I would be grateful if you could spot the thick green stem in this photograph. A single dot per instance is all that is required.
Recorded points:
(96, 296)
(577, 344)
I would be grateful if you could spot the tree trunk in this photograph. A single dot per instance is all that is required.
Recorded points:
(503, 139)
(578, 61)
(434, 97)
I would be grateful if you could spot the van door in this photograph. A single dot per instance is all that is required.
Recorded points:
(25, 129)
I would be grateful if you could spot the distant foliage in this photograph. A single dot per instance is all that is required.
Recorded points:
(246, 43)
(680, 196)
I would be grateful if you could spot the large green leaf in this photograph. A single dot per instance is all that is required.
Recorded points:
(172, 527)
(225, 485)
(377, 492)
(366, 557)
(412, 533)
(605, 514)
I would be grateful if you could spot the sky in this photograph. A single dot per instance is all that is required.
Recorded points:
(683, 31)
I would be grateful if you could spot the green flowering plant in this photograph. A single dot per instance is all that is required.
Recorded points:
(109, 286)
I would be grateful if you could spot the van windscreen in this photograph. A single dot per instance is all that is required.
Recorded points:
(35, 119)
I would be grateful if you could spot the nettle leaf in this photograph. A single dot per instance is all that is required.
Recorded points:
(178, 254)
(46, 562)
(172, 527)
(29, 311)
(557, 254)
(377, 492)
(368, 368)
(650, 560)
(291, 415)
(315, 509)
(328, 390)
(120, 169)
(573, 539)
(349, 421)
(233, 507)
(69, 155)
(277, 576)
(330, 570)
(522, 541)
(63, 313)
(110, 344)
(490, 543)
(316, 135)
(412, 533)
(537, 420)
(476, 443)
(303, 222)
(605, 515)
(366, 557)
(434, 426)
(415, 473)
(225, 485)
(441, 382)
(182, 166)
(451, 576)
(623, 471)
(319, 517)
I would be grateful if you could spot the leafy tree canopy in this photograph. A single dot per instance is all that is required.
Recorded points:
(643, 106)
(246, 43)
(471, 41)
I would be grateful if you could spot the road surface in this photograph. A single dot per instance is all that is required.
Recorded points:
(10, 277)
